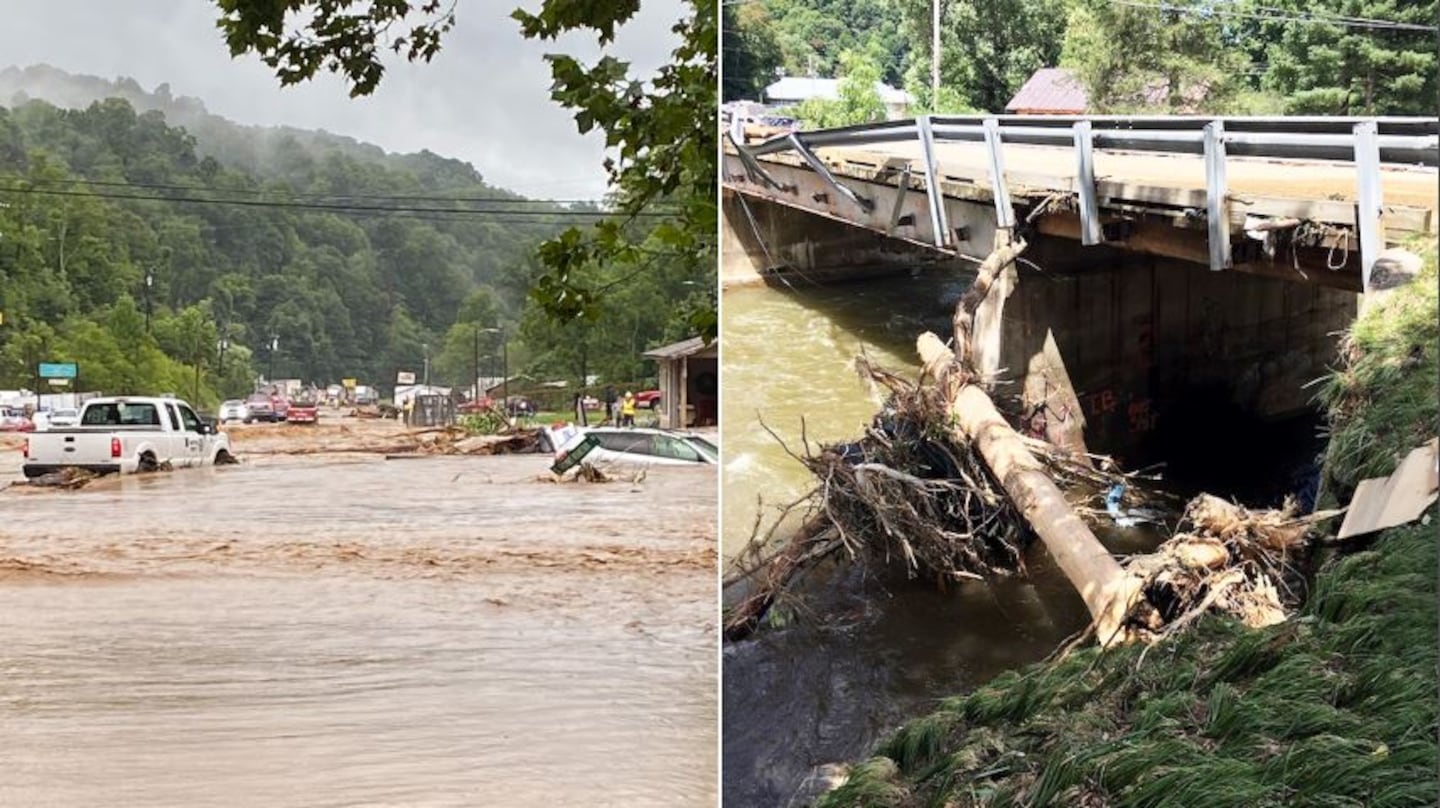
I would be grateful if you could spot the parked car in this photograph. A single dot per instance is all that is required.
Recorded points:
(258, 408)
(635, 445)
(521, 406)
(648, 399)
(64, 416)
(234, 410)
(12, 419)
(59, 417)
(127, 434)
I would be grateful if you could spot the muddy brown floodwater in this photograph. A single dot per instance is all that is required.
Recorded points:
(346, 630)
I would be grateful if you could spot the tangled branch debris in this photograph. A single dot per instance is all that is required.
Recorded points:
(941, 483)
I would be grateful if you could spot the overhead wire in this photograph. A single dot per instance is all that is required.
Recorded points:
(1282, 16)
(336, 208)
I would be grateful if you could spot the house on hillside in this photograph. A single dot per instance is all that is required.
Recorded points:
(689, 374)
(792, 90)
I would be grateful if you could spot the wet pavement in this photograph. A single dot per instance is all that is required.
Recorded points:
(355, 631)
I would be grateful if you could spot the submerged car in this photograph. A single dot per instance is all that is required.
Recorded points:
(303, 412)
(634, 445)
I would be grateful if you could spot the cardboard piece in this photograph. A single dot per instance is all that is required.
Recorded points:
(1402, 497)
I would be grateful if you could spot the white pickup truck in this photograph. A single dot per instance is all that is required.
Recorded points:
(127, 434)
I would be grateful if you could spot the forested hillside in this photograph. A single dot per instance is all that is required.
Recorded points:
(1326, 57)
(354, 263)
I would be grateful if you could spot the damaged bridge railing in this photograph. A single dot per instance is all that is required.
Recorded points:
(1369, 143)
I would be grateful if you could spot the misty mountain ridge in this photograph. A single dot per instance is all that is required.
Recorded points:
(268, 152)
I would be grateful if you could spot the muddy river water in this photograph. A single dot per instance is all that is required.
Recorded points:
(346, 630)
(865, 654)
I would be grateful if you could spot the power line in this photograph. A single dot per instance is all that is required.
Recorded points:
(1344, 22)
(257, 203)
(304, 194)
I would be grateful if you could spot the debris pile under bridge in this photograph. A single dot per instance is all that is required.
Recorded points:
(941, 483)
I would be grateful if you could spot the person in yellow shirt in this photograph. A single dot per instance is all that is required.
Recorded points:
(627, 409)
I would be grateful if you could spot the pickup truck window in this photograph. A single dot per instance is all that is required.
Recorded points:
(173, 417)
(120, 413)
(189, 418)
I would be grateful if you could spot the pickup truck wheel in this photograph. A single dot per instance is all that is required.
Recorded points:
(147, 462)
(224, 458)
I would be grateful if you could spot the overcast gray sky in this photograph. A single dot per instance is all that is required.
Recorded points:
(485, 97)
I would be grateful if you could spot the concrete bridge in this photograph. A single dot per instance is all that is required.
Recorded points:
(1172, 260)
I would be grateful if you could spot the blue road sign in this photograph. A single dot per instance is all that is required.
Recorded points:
(58, 370)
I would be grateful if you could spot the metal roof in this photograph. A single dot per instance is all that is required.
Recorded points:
(800, 88)
(1051, 89)
(677, 350)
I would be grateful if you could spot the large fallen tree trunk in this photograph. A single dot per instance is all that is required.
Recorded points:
(1107, 590)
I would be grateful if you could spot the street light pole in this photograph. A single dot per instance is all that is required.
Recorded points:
(274, 346)
(935, 57)
(220, 371)
(426, 346)
(475, 363)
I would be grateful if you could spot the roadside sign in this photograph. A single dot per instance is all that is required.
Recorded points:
(59, 382)
(574, 456)
(405, 377)
(58, 370)
(348, 384)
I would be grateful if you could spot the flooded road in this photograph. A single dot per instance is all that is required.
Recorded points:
(865, 654)
(354, 631)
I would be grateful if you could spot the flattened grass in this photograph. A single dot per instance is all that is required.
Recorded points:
(1335, 707)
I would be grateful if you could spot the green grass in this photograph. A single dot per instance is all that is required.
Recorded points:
(1335, 707)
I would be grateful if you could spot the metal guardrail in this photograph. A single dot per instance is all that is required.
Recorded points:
(1368, 142)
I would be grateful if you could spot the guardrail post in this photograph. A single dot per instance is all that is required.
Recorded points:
(1369, 215)
(903, 189)
(1090, 231)
(932, 183)
(1217, 205)
(1004, 213)
(819, 168)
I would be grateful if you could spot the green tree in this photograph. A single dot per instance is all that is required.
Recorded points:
(751, 55)
(1351, 69)
(859, 99)
(1171, 58)
(660, 131)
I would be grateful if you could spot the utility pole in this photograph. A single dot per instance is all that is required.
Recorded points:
(149, 282)
(475, 363)
(935, 56)
(274, 346)
(426, 346)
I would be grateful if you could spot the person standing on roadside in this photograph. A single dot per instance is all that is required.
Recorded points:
(627, 409)
(612, 409)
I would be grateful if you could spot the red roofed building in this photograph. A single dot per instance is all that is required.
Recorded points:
(1051, 91)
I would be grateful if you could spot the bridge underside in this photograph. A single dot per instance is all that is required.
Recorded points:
(1152, 343)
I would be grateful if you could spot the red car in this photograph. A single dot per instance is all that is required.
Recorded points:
(648, 399)
(302, 412)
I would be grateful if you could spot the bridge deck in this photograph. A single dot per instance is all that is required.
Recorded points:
(1045, 168)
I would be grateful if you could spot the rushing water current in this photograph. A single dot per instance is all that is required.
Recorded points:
(865, 653)
(317, 632)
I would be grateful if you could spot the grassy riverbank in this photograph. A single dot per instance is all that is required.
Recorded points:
(1335, 707)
